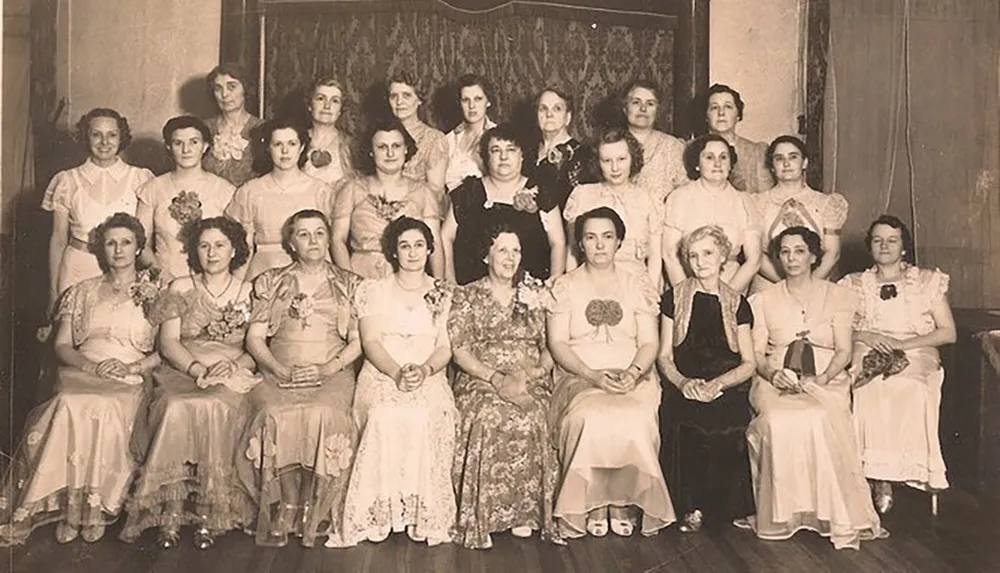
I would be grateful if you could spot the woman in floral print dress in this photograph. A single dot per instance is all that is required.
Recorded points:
(505, 469)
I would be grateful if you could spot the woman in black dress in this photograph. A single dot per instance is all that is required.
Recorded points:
(562, 161)
(503, 195)
(707, 354)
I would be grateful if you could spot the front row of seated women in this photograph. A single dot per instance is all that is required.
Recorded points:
(552, 423)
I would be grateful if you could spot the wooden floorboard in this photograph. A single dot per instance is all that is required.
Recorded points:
(964, 538)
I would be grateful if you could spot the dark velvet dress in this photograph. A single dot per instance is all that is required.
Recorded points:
(474, 216)
(704, 451)
(561, 172)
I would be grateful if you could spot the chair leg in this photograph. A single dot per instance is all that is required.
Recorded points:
(934, 504)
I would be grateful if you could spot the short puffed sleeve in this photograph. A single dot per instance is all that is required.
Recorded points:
(752, 219)
(744, 314)
(677, 206)
(262, 297)
(646, 298)
(852, 282)
(656, 214)
(545, 199)
(343, 204)
(936, 284)
(667, 304)
(366, 297)
(59, 194)
(167, 305)
(561, 295)
(844, 306)
(146, 193)
(437, 148)
(834, 213)
(325, 198)
(430, 209)
(241, 208)
(572, 209)
(461, 318)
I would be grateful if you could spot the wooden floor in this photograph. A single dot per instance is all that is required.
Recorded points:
(965, 538)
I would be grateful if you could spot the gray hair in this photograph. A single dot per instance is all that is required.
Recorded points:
(713, 231)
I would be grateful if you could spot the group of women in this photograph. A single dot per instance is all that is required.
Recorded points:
(465, 334)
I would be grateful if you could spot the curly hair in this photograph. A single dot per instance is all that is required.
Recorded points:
(409, 78)
(640, 83)
(909, 248)
(635, 151)
(284, 123)
(502, 132)
(395, 229)
(97, 236)
(811, 239)
(288, 228)
(692, 154)
(175, 124)
(714, 232)
(490, 237)
(233, 231)
(386, 123)
(238, 73)
(83, 127)
(791, 139)
(724, 89)
(563, 95)
(469, 80)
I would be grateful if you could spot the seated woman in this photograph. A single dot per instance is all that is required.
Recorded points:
(294, 455)
(505, 196)
(263, 205)
(711, 200)
(505, 469)
(723, 111)
(330, 149)
(364, 206)
(180, 197)
(403, 406)
(792, 202)
(475, 96)
(620, 158)
(74, 466)
(803, 453)
(903, 318)
(662, 154)
(187, 476)
(602, 335)
(706, 352)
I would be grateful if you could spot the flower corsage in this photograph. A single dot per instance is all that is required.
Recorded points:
(386, 209)
(435, 298)
(524, 200)
(228, 145)
(530, 295)
(603, 313)
(235, 316)
(146, 287)
(301, 308)
(185, 207)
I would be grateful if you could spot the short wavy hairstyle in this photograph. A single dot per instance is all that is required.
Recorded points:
(614, 135)
(563, 95)
(599, 213)
(95, 242)
(909, 248)
(288, 229)
(769, 155)
(641, 83)
(387, 123)
(83, 127)
(469, 80)
(502, 132)
(692, 154)
(724, 89)
(490, 237)
(714, 232)
(285, 122)
(233, 231)
(238, 73)
(395, 229)
(184, 122)
(810, 237)
(407, 77)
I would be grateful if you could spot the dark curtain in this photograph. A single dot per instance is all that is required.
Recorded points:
(520, 53)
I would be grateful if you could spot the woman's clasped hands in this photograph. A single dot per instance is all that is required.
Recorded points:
(411, 376)
(700, 389)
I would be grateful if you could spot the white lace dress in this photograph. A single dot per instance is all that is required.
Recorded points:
(402, 472)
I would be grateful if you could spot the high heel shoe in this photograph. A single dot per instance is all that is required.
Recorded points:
(883, 497)
(692, 521)
(66, 533)
(597, 527)
(411, 532)
(92, 533)
(167, 538)
(203, 539)
(523, 531)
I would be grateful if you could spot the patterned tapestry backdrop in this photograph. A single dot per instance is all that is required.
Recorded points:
(519, 54)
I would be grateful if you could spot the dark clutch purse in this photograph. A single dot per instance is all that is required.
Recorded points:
(799, 358)
(885, 364)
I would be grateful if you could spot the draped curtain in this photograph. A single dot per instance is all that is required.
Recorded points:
(519, 53)
(912, 128)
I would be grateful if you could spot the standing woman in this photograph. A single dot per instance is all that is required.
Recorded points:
(366, 205)
(903, 319)
(620, 158)
(505, 469)
(431, 160)
(792, 203)
(723, 110)
(706, 352)
(330, 149)
(294, 454)
(711, 200)
(187, 476)
(803, 449)
(562, 162)
(475, 96)
(662, 154)
(180, 197)
(602, 335)
(83, 197)
(74, 467)
(403, 406)
(233, 129)
(503, 195)
(264, 204)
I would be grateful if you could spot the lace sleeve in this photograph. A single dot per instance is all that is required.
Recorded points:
(167, 305)
(852, 282)
(365, 302)
(834, 212)
(845, 308)
(68, 303)
(937, 283)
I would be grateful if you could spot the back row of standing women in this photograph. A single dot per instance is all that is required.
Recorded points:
(407, 163)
